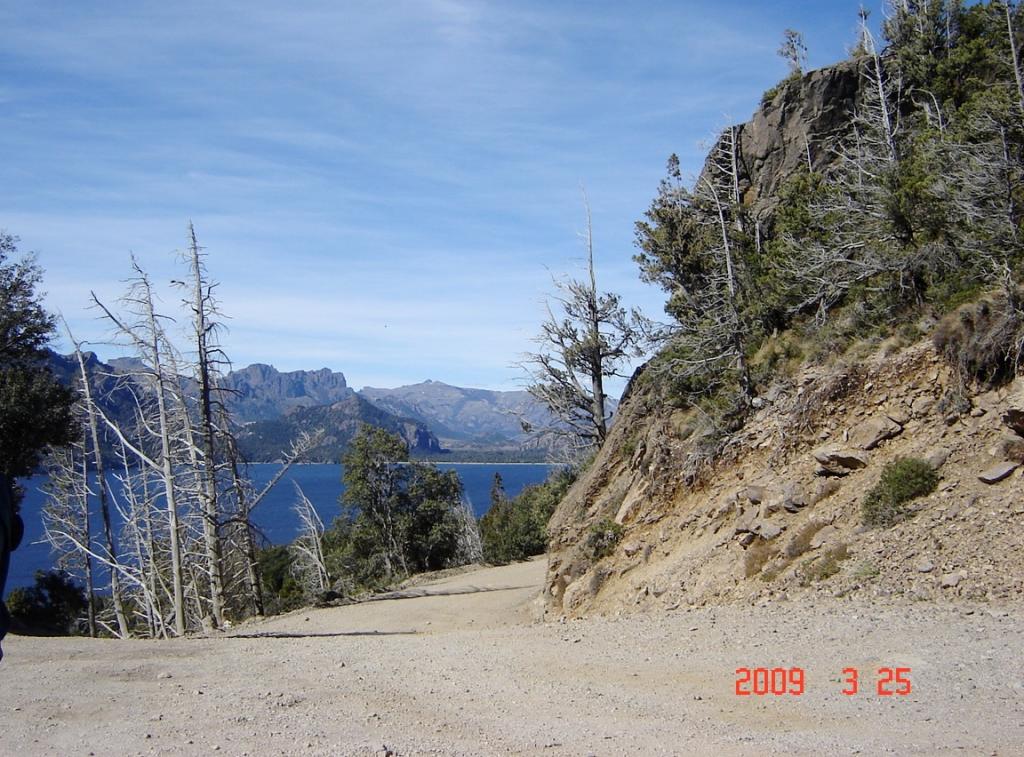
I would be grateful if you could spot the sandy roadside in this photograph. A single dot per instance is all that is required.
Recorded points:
(457, 667)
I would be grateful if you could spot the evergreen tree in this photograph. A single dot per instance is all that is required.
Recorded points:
(35, 410)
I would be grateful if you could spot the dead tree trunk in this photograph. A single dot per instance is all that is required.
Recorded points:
(202, 305)
(108, 535)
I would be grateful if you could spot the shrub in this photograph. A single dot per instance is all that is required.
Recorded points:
(825, 566)
(52, 606)
(516, 529)
(902, 481)
(865, 571)
(281, 592)
(603, 537)
(801, 541)
(756, 556)
(983, 340)
(629, 446)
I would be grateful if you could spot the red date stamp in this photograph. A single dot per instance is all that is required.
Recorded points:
(779, 682)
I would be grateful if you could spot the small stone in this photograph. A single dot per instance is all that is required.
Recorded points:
(951, 580)
(755, 494)
(924, 566)
(830, 457)
(164, 674)
(747, 539)
(997, 473)
(823, 536)
(768, 530)
(937, 457)
(631, 548)
(1014, 418)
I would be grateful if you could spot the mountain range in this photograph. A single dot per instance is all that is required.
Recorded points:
(273, 407)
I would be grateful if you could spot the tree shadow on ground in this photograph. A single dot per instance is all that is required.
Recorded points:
(328, 634)
(424, 592)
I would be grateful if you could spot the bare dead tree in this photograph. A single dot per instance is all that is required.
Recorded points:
(92, 427)
(794, 51)
(146, 334)
(203, 307)
(66, 518)
(470, 547)
(309, 565)
(586, 341)
(1014, 56)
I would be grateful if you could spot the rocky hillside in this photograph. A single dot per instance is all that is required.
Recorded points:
(780, 512)
(771, 502)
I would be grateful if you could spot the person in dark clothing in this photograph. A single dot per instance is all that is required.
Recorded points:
(12, 529)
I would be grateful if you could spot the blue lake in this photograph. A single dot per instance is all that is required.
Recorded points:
(274, 516)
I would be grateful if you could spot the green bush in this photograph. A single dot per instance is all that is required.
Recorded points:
(516, 529)
(902, 481)
(53, 605)
(825, 566)
(603, 537)
(281, 592)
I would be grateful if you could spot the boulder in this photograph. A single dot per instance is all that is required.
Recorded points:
(824, 490)
(922, 405)
(997, 473)
(874, 431)
(767, 530)
(898, 415)
(745, 522)
(631, 548)
(1008, 448)
(793, 497)
(1014, 418)
(755, 494)
(838, 462)
(951, 580)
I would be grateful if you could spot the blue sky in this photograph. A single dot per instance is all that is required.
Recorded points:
(383, 188)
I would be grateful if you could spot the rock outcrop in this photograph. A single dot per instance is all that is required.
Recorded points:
(261, 392)
(799, 123)
(761, 522)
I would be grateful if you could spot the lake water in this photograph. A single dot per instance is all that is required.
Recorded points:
(274, 516)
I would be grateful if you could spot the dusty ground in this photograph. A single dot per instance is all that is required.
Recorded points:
(459, 668)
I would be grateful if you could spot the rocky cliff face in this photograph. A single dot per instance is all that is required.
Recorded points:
(800, 122)
(261, 392)
(780, 512)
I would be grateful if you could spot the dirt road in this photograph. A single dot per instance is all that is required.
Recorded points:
(457, 667)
